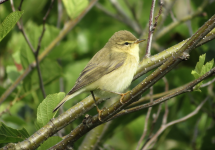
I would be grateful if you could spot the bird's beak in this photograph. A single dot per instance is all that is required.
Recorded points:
(139, 41)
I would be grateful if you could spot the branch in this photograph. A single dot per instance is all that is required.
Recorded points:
(187, 88)
(147, 64)
(151, 30)
(146, 120)
(36, 53)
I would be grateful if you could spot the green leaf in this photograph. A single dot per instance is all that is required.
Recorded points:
(200, 64)
(50, 142)
(201, 69)
(10, 135)
(74, 7)
(9, 23)
(195, 74)
(12, 73)
(207, 67)
(44, 111)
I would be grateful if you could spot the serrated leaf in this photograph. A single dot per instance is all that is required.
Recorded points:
(195, 74)
(201, 69)
(199, 64)
(207, 67)
(50, 142)
(74, 7)
(44, 111)
(10, 135)
(9, 23)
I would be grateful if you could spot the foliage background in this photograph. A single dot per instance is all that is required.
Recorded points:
(62, 66)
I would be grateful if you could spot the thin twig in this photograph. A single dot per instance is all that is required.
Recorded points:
(2, 1)
(151, 30)
(195, 134)
(164, 127)
(36, 53)
(146, 120)
(152, 26)
(208, 83)
(158, 113)
(20, 5)
(60, 12)
(166, 105)
(19, 24)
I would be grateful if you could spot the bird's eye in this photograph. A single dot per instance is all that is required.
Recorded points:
(126, 43)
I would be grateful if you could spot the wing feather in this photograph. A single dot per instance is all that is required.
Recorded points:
(99, 66)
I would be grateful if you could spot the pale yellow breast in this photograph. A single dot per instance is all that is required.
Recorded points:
(121, 78)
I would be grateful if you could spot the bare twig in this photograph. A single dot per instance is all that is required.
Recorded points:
(146, 120)
(159, 107)
(164, 127)
(166, 105)
(16, 99)
(172, 16)
(151, 30)
(20, 5)
(36, 53)
(152, 27)
(2, 1)
(208, 83)
(59, 10)
(195, 134)
(19, 24)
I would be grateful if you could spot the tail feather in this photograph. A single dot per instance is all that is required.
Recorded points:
(66, 98)
(61, 103)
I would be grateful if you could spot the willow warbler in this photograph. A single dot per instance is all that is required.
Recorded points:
(111, 69)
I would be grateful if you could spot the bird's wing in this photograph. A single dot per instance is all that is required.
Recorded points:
(98, 66)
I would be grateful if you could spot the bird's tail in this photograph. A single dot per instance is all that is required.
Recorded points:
(66, 98)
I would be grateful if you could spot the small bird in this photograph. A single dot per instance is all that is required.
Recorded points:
(111, 69)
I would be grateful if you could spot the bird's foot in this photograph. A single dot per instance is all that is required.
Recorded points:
(99, 113)
(122, 96)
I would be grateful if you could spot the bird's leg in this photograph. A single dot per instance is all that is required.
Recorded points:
(121, 94)
(98, 110)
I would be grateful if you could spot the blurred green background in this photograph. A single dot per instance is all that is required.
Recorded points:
(63, 64)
